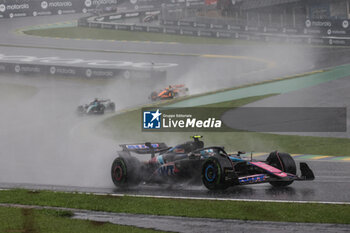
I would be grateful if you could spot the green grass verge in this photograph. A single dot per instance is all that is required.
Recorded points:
(120, 35)
(36, 221)
(107, 34)
(15, 92)
(126, 128)
(266, 211)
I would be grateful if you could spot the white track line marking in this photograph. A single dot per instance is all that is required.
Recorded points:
(194, 198)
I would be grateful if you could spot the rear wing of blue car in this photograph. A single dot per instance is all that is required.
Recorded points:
(145, 148)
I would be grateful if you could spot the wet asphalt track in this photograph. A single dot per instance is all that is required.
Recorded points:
(331, 184)
(332, 178)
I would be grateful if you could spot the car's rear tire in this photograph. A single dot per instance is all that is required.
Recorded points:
(80, 110)
(101, 109)
(125, 171)
(112, 107)
(283, 162)
(154, 96)
(212, 175)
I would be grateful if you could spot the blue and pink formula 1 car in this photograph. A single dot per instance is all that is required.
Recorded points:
(192, 162)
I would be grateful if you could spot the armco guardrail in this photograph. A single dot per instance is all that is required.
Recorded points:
(311, 27)
(141, 73)
(311, 34)
(23, 8)
(126, 15)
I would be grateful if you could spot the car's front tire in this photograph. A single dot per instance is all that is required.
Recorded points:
(101, 109)
(283, 162)
(212, 175)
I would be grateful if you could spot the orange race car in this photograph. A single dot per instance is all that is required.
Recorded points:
(170, 92)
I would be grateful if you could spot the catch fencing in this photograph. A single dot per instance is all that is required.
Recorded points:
(316, 32)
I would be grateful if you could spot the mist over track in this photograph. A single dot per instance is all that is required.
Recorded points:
(45, 145)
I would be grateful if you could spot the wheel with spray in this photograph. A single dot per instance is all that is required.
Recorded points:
(212, 175)
(125, 171)
(283, 162)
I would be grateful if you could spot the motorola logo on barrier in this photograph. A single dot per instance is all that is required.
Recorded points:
(44, 5)
(2, 8)
(88, 73)
(60, 4)
(317, 23)
(17, 68)
(53, 70)
(17, 7)
(308, 23)
(89, 3)
(96, 63)
(62, 70)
